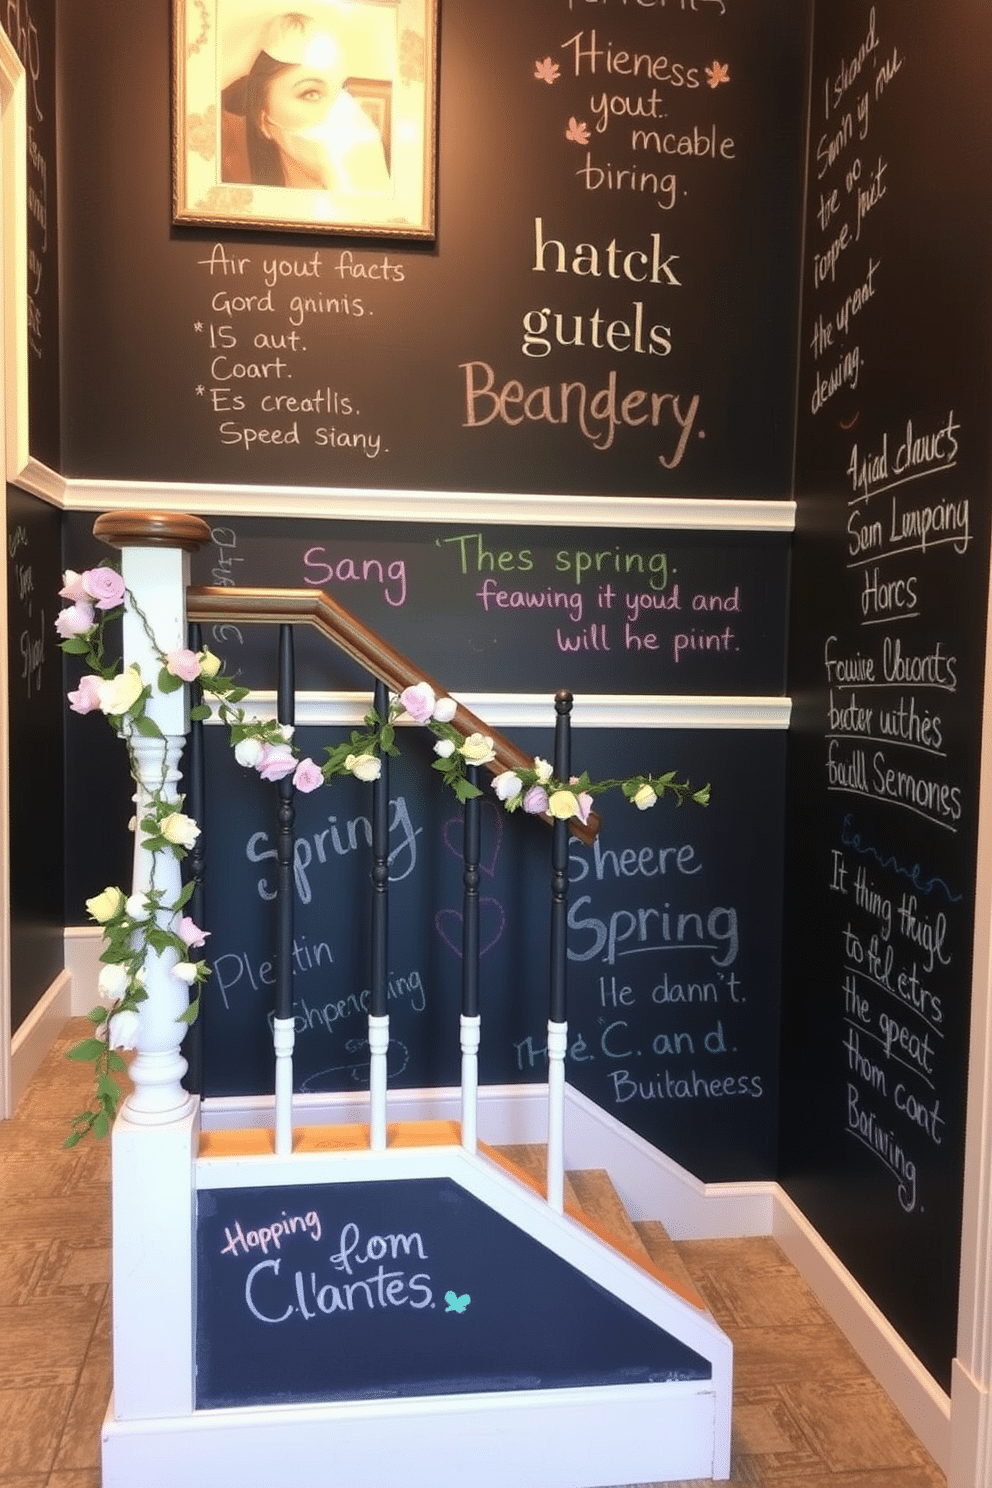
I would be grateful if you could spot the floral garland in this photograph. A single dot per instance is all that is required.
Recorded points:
(133, 924)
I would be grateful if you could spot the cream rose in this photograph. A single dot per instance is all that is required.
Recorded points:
(645, 797)
(105, 906)
(178, 829)
(121, 692)
(477, 749)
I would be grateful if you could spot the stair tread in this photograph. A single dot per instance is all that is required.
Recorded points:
(664, 1251)
(591, 1198)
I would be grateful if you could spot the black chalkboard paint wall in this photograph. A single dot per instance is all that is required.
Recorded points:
(674, 927)
(30, 26)
(888, 625)
(35, 732)
(633, 238)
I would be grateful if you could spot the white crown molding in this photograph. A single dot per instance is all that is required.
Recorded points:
(375, 505)
(534, 710)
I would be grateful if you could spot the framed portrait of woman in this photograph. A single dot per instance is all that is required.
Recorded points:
(321, 119)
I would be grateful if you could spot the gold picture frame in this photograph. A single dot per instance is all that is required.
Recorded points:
(313, 120)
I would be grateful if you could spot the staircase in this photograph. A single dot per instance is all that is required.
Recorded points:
(387, 1304)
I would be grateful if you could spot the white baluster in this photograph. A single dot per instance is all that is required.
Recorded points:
(557, 1044)
(378, 1050)
(471, 1032)
(156, 577)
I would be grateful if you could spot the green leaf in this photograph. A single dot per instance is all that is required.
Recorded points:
(191, 1014)
(115, 1062)
(101, 1124)
(199, 713)
(75, 646)
(107, 1090)
(88, 1049)
(97, 1015)
(72, 1139)
(168, 681)
(146, 727)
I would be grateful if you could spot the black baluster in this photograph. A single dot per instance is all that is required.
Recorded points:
(380, 870)
(470, 899)
(378, 1014)
(559, 863)
(470, 1023)
(283, 1036)
(286, 714)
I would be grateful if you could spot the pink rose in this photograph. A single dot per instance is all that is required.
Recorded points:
(307, 776)
(275, 761)
(86, 698)
(536, 800)
(104, 585)
(418, 701)
(72, 588)
(190, 934)
(184, 664)
(77, 620)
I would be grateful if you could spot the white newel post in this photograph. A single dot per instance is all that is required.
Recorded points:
(155, 1135)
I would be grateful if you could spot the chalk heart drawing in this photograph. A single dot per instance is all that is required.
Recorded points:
(492, 916)
(492, 923)
(456, 1303)
(454, 834)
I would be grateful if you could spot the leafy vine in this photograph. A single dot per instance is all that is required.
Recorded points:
(146, 921)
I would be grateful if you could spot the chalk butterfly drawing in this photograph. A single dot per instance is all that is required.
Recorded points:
(456, 1303)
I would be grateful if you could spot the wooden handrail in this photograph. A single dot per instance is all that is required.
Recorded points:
(209, 605)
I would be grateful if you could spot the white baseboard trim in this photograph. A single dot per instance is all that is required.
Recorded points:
(911, 1387)
(82, 945)
(36, 1035)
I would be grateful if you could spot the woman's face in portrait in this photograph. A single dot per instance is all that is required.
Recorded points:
(300, 97)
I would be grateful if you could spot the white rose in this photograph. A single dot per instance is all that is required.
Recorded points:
(364, 766)
(445, 748)
(112, 982)
(122, 1029)
(507, 785)
(137, 907)
(248, 752)
(445, 709)
(185, 971)
(542, 770)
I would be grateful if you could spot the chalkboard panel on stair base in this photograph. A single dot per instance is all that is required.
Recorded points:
(356, 1291)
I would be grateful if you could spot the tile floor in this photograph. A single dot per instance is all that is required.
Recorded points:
(806, 1413)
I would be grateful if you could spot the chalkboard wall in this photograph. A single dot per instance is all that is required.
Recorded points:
(673, 939)
(629, 236)
(30, 26)
(35, 731)
(888, 627)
